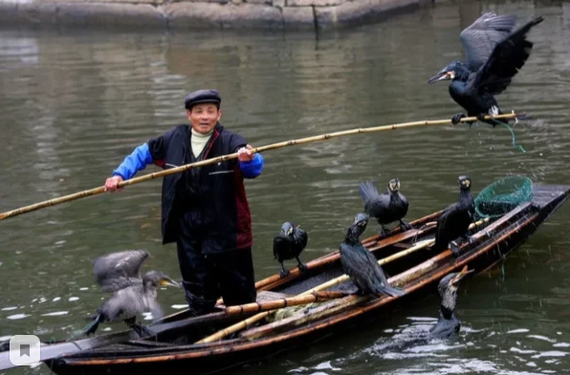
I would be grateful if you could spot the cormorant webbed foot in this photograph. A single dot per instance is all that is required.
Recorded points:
(302, 267)
(284, 273)
(454, 248)
(140, 330)
(455, 119)
(383, 232)
(405, 226)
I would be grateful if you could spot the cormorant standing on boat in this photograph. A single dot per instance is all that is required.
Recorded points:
(288, 245)
(360, 265)
(387, 207)
(132, 294)
(455, 220)
(448, 324)
(494, 57)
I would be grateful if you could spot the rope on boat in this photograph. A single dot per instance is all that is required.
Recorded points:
(513, 138)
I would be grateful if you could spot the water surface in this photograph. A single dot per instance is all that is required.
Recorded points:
(74, 104)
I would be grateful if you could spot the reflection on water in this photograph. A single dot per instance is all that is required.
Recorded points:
(73, 105)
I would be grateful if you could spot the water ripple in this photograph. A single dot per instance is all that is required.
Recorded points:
(74, 105)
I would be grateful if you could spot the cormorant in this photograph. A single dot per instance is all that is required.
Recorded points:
(455, 220)
(288, 245)
(448, 324)
(132, 294)
(494, 57)
(360, 265)
(387, 207)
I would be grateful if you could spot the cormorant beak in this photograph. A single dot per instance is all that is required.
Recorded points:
(441, 76)
(464, 272)
(168, 281)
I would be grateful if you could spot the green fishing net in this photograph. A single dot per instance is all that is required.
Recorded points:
(502, 196)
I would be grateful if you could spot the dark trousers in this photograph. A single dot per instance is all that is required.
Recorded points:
(207, 277)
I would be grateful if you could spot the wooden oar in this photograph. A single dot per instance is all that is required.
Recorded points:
(249, 321)
(323, 137)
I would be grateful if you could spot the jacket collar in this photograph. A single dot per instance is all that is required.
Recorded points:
(218, 129)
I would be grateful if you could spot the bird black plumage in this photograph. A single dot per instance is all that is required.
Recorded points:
(361, 266)
(448, 324)
(289, 244)
(387, 207)
(495, 55)
(132, 294)
(455, 220)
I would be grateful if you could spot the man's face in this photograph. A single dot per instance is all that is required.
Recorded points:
(204, 117)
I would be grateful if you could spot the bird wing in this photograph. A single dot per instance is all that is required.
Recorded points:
(375, 269)
(119, 270)
(125, 303)
(507, 58)
(154, 307)
(442, 221)
(362, 265)
(404, 199)
(378, 206)
(301, 237)
(481, 37)
(350, 261)
(280, 245)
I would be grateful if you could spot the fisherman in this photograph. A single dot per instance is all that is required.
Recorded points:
(204, 210)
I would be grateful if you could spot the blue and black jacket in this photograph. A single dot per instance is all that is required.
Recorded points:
(212, 196)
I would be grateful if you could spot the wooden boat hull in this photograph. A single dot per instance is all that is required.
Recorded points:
(493, 244)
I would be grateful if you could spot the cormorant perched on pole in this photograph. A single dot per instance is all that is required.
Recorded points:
(387, 207)
(494, 57)
(455, 220)
(447, 323)
(288, 245)
(132, 294)
(361, 266)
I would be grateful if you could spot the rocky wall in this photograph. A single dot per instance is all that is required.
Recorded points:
(199, 14)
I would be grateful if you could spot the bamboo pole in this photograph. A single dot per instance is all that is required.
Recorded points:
(300, 141)
(249, 321)
(284, 302)
(275, 280)
(323, 311)
(296, 320)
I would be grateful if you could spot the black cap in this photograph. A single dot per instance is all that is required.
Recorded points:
(202, 96)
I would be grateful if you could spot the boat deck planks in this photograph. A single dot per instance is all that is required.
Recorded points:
(546, 194)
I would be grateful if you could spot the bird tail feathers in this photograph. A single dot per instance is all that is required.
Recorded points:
(91, 327)
(367, 191)
(391, 291)
(93, 317)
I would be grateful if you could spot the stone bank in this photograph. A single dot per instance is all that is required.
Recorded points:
(199, 14)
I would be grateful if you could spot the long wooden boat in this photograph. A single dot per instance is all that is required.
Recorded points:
(175, 343)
